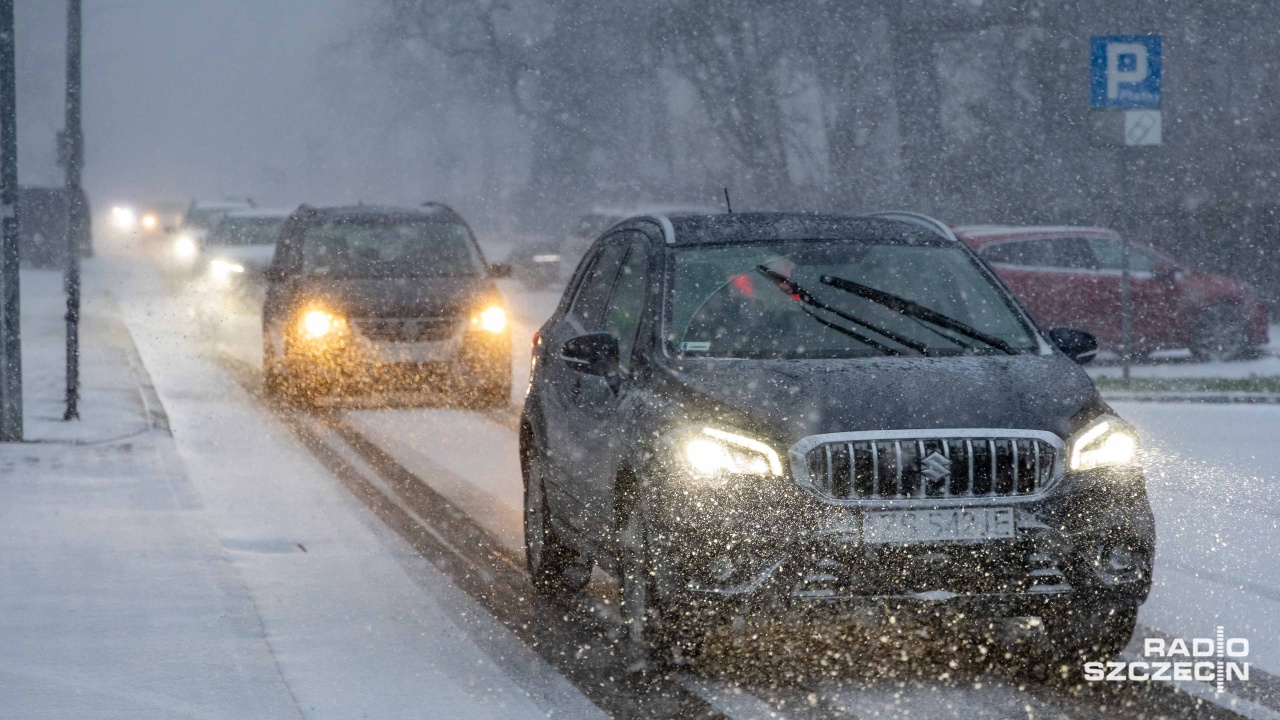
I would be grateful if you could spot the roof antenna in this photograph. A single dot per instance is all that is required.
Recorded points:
(728, 205)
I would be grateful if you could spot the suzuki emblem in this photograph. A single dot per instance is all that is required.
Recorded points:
(936, 467)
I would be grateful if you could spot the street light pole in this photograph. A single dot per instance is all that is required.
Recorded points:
(10, 308)
(76, 210)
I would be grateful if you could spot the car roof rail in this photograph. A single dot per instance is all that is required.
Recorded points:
(920, 219)
(433, 205)
(663, 222)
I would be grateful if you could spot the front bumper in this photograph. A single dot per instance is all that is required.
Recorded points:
(779, 550)
(476, 354)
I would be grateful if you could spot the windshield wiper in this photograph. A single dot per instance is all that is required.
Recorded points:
(911, 309)
(804, 296)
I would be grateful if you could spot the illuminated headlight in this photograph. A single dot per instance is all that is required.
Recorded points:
(123, 217)
(546, 258)
(318, 323)
(149, 222)
(1107, 442)
(185, 248)
(492, 319)
(223, 270)
(711, 453)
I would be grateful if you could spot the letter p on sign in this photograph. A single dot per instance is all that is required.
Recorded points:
(1125, 71)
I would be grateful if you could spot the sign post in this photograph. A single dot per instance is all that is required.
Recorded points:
(76, 210)
(1125, 77)
(10, 321)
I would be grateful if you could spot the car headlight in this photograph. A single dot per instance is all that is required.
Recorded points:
(546, 258)
(318, 323)
(185, 248)
(149, 222)
(710, 453)
(222, 270)
(123, 217)
(491, 319)
(1108, 441)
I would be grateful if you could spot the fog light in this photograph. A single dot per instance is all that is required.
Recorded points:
(1118, 564)
(149, 222)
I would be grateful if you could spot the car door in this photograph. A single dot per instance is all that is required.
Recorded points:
(603, 411)
(1045, 275)
(286, 263)
(568, 433)
(1155, 300)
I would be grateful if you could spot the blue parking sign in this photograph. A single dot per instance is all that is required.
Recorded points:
(1125, 71)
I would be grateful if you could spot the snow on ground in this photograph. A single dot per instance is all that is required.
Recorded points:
(1212, 479)
(347, 620)
(115, 597)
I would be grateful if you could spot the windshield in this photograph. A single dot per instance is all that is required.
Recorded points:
(389, 248)
(777, 300)
(247, 232)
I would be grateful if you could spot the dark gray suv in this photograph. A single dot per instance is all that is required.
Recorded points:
(794, 415)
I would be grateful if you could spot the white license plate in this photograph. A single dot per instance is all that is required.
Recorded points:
(923, 526)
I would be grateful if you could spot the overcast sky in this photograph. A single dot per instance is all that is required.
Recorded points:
(182, 97)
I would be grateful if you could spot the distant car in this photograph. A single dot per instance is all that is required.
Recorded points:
(242, 244)
(197, 222)
(1071, 276)
(800, 416)
(536, 263)
(370, 294)
(599, 219)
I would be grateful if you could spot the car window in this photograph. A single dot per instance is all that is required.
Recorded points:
(589, 302)
(389, 247)
(1109, 255)
(1048, 253)
(623, 312)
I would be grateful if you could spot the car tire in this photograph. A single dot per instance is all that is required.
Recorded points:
(1221, 333)
(655, 631)
(1087, 631)
(557, 570)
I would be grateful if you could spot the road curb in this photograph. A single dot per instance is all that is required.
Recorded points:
(1212, 398)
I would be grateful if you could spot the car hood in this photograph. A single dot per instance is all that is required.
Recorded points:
(791, 399)
(397, 297)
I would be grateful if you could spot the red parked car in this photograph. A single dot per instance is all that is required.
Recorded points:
(1070, 276)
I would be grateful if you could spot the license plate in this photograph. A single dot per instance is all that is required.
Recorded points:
(923, 526)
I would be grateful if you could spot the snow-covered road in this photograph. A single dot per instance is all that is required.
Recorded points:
(365, 619)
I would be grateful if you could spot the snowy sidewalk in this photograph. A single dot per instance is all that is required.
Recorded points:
(116, 599)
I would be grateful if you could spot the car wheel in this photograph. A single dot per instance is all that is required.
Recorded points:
(1221, 333)
(656, 633)
(1086, 632)
(557, 570)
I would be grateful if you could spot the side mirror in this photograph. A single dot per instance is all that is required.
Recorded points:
(499, 270)
(1075, 344)
(593, 354)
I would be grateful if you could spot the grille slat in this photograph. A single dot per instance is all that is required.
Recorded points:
(929, 468)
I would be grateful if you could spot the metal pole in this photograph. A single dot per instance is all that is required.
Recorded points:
(1126, 296)
(76, 212)
(10, 307)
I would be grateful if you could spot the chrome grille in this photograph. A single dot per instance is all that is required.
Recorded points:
(407, 329)
(856, 467)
